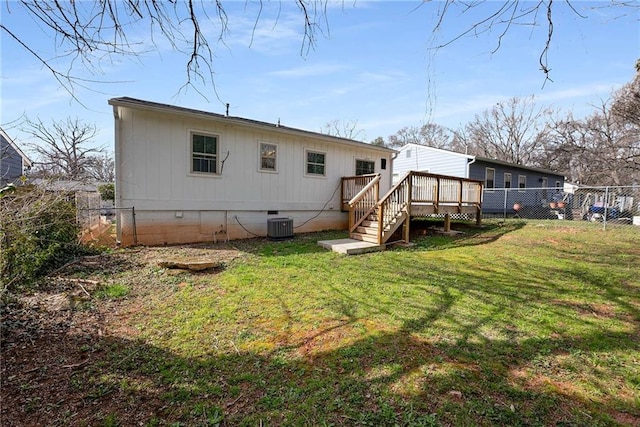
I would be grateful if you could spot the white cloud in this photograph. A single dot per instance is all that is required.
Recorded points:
(308, 71)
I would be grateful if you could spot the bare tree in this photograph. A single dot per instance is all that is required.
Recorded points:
(511, 131)
(102, 168)
(503, 17)
(600, 149)
(627, 100)
(429, 134)
(87, 33)
(63, 149)
(379, 142)
(343, 129)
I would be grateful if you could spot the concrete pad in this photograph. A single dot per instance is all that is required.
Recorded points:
(351, 246)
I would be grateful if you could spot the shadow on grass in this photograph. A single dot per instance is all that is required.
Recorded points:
(426, 234)
(389, 378)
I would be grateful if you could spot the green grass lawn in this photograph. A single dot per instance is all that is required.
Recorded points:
(511, 324)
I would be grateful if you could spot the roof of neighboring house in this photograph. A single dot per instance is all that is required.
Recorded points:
(64, 185)
(483, 159)
(513, 165)
(441, 150)
(157, 107)
(25, 159)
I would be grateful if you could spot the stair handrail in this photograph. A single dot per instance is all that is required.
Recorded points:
(387, 215)
(356, 216)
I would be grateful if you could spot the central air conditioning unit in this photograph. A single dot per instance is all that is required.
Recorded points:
(279, 228)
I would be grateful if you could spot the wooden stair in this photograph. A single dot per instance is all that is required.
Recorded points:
(367, 231)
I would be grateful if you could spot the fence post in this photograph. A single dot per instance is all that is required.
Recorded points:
(606, 207)
(504, 208)
(135, 231)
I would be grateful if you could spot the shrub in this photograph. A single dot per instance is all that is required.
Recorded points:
(38, 232)
(107, 191)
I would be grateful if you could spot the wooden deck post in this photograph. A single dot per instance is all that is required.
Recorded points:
(447, 222)
(407, 222)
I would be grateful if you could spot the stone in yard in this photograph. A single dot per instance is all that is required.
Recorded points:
(190, 264)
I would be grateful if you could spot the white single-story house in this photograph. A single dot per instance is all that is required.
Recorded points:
(495, 174)
(184, 175)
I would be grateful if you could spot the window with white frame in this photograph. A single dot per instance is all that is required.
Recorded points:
(489, 178)
(522, 182)
(364, 167)
(268, 157)
(544, 183)
(507, 180)
(204, 153)
(315, 163)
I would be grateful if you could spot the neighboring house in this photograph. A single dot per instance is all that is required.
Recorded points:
(13, 162)
(504, 183)
(195, 176)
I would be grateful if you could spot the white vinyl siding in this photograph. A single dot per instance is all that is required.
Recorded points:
(431, 160)
(152, 176)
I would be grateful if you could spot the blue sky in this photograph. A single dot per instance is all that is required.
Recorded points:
(374, 64)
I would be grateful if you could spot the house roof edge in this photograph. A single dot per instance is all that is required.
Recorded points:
(159, 107)
(15, 147)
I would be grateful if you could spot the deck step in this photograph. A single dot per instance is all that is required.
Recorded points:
(365, 237)
(367, 230)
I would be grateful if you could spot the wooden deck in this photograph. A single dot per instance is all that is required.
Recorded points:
(375, 219)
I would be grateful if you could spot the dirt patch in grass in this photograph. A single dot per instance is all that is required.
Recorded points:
(63, 333)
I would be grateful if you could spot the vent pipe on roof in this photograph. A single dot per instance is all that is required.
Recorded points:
(227, 113)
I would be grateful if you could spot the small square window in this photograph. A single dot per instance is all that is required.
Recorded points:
(268, 157)
(316, 163)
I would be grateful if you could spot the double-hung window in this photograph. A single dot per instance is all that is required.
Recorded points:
(522, 182)
(268, 157)
(315, 163)
(204, 153)
(489, 179)
(507, 180)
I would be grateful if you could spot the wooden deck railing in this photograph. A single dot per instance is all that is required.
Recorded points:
(393, 206)
(351, 185)
(364, 203)
(417, 193)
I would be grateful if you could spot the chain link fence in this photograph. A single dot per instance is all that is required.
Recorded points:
(96, 218)
(608, 205)
(127, 231)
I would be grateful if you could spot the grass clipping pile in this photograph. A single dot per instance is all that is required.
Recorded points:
(60, 334)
